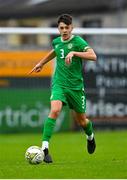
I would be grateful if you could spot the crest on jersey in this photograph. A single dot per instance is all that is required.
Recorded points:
(70, 45)
(56, 46)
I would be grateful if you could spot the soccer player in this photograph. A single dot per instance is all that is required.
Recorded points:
(67, 82)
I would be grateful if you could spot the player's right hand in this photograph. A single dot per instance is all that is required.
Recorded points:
(36, 69)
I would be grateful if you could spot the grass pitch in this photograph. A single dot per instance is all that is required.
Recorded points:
(71, 159)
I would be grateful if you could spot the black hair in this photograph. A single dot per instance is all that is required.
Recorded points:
(65, 18)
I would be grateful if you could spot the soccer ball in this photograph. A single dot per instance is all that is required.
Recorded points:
(34, 155)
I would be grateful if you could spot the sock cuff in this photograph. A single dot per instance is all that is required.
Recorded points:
(51, 120)
(89, 124)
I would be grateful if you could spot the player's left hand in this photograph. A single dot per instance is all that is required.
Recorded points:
(69, 57)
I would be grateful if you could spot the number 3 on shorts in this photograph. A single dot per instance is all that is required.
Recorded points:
(83, 101)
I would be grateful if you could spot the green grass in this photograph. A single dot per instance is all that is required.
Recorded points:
(71, 159)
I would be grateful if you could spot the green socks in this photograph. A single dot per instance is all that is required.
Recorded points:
(89, 128)
(48, 129)
(50, 124)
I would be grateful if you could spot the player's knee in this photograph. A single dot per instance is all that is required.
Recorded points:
(83, 122)
(55, 112)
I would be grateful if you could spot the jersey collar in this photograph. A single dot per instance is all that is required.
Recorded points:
(68, 39)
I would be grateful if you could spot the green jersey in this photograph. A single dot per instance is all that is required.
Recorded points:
(68, 76)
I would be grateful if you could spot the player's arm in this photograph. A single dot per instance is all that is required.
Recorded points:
(38, 67)
(89, 54)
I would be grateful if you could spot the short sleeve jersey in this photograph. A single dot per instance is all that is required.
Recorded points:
(68, 76)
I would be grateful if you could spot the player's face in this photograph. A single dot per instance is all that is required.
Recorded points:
(65, 30)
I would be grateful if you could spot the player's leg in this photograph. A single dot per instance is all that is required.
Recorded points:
(49, 125)
(87, 126)
(77, 102)
(57, 99)
(50, 122)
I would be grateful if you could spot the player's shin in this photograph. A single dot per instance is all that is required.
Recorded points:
(89, 130)
(91, 144)
(48, 131)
